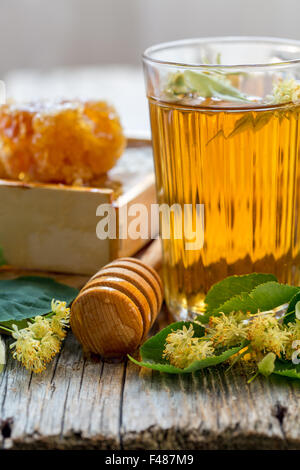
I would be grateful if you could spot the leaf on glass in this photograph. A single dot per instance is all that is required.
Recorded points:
(290, 313)
(232, 286)
(29, 296)
(152, 352)
(264, 297)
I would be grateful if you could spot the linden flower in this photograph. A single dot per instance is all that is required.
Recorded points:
(294, 329)
(182, 349)
(266, 339)
(285, 91)
(40, 327)
(49, 347)
(60, 309)
(228, 330)
(266, 334)
(27, 350)
(61, 318)
(294, 332)
(37, 344)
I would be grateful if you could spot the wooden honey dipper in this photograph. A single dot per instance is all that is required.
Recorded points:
(114, 311)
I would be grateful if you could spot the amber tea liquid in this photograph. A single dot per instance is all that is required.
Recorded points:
(244, 166)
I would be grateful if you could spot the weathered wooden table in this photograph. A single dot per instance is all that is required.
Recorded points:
(84, 404)
(78, 403)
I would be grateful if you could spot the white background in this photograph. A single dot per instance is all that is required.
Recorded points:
(49, 33)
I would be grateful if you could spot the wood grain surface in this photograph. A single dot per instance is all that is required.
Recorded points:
(83, 403)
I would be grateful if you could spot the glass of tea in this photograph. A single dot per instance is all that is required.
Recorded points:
(226, 139)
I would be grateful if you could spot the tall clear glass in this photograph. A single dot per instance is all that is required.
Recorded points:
(226, 139)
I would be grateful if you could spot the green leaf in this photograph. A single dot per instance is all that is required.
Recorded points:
(152, 350)
(29, 296)
(290, 313)
(287, 369)
(263, 297)
(4, 326)
(177, 84)
(213, 85)
(234, 285)
(2, 259)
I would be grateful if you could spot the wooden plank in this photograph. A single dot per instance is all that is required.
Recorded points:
(208, 410)
(75, 403)
(80, 403)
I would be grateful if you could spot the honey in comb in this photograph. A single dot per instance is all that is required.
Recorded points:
(71, 142)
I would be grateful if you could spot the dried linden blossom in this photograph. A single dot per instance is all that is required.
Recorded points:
(284, 91)
(41, 340)
(215, 84)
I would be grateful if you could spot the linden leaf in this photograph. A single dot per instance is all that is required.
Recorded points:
(287, 369)
(29, 296)
(177, 85)
(212, 85)
(234, 285)
(196, 365)
(290, 313)
(263, 297)
(152, 351)
(7, 325)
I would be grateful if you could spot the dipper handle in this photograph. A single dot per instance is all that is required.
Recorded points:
(151, 255)
(114, 311)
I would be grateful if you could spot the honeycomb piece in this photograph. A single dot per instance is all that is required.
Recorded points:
(69, 142)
